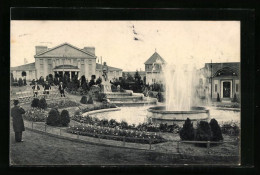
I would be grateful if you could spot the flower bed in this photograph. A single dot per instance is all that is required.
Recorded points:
(35, 115)
(230, 128)
(147, 127)
(96, 107)
(116, 134)
(61, 104)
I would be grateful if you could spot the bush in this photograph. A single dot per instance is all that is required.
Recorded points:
(90, 100)
(187, 131)
(230, 129)
(218, 98)
(53, 118)
(124, 125)
(42, 103)
(101, 97)
(215, 130)
(235, 98)
(83, 100)
(35, 103)
(203, 133)
(64, 118)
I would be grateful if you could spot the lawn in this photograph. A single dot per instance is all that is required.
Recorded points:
(38, 149)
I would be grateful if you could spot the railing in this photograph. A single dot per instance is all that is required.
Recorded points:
(205, 142)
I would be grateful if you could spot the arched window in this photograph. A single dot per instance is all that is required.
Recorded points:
(23, 74)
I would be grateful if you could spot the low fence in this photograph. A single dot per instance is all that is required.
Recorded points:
(172, 146)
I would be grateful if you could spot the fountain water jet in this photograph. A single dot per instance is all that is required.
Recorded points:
(180, 82)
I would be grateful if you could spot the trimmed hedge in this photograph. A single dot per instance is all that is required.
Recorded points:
(35, 103)
(84, 100)
(187, 131)
(215, 130)
(53, 118)
(64, 118)
(42, 103)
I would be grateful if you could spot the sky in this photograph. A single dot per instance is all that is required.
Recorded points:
(128, 44)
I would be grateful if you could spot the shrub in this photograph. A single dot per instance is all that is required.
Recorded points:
(42, 103)
(104, 122)
(35, 103)
(53, 117)
(101, 97)
(203, 133)
(187, 131)
(124, 125)
(218, 98)
(215, 130)
(113, 123)
(90, 100)
(64, 118)
(230, 129)
(83, 100)
(235, 98)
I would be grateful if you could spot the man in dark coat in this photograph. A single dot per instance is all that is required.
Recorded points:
(61, 88)
(18, 125)
(47, 87)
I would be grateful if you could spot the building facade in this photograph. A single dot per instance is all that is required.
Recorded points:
(222, 79)
(154, 69)
(64, 59)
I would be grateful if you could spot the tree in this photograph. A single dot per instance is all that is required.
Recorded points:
(24, 82)
(64, 118)
(99, 81)
(235, 98)
(129, 78)
(137, 76)
(218, 99)
(83, 100)
(53, 118)
(35, 103)
(83, 80)
(187, 131)
(215, 130)
(203, 133)
(42, 103)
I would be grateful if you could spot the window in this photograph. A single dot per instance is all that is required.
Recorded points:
(41, 61)
(49, 61)
(216, 87)
(236, 87)
(82, 61)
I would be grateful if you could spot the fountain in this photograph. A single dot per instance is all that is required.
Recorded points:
(180, 84)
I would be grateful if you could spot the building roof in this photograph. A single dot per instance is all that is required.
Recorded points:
(235, 66)
(66, 67)
(154, 58)
(25, 67)
(65, 44)
(133, 72)
(98, 66)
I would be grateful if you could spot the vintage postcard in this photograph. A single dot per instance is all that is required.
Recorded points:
(125, 92)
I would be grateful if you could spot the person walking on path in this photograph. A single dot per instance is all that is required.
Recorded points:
(18, 124)
(35, 88)
(61, 88)
(47, 87)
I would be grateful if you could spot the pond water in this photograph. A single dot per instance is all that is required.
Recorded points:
(136, 115)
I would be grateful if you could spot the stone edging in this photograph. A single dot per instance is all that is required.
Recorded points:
(228, 109)
(100, 111)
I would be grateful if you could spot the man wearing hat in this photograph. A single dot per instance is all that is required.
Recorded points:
(61, 88)
(18, 125)
(35, 88)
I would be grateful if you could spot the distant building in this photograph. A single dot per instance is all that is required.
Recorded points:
(225, 80)
(153, 69)
(64, 59)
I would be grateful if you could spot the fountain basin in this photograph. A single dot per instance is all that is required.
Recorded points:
(159, 114)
